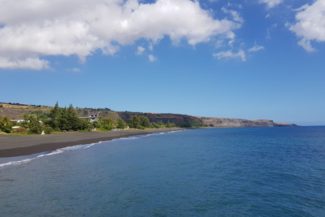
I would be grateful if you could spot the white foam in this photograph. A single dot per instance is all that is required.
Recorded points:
(126, 138)
(55, 152)
(13, 163)
(76, 147)
(91, 145)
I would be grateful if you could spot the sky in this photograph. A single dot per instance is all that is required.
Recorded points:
(252, 59)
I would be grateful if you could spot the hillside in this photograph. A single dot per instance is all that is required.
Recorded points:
(232, 122)
(16, 111)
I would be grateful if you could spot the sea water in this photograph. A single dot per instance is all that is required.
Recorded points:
(193, 173)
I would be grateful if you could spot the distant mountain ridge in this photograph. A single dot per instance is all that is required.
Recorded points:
(16, 111)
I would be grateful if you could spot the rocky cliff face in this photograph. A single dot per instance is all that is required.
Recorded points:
(229, 122)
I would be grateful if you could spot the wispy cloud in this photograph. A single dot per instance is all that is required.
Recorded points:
(74, 70)
(234, 14)
(140, 50)
(229, 54)
(255, 48)
(271, 3)
(239, 54)
(152, 58)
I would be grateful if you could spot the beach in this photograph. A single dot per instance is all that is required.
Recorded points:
(18, 145)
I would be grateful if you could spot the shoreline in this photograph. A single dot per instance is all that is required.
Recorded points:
(14, 146)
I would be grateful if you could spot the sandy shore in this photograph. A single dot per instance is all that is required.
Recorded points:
(11, 146)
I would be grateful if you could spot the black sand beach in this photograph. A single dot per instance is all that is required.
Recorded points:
(11, 146)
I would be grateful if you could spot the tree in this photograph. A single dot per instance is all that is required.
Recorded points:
(5, 125)
(139, 122)
(135, 122)
(158, 124)
(106, 124)
(121, 124)
(144, 121)
(62, 120)
(66, 119)
(95, 124)
(84, 125)
(54, 117)
(33, 124)
(170, 125)
(73, 121)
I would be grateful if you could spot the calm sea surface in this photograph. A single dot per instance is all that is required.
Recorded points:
(205, 172)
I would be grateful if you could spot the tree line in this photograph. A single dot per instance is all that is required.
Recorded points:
(64, 119)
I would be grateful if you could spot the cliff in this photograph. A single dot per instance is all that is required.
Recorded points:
(232, 122)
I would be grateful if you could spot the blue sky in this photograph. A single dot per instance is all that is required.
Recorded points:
(264, 63)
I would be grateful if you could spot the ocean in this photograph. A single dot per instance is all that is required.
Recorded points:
(204, 172)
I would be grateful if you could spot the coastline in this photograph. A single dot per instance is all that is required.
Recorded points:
(13, 145)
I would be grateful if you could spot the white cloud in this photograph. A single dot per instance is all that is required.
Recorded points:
(33, 29)
(140, 50)
(74, 69)
(28, 63)
(271, 3)
(306, 44)
(255, 48)
(152, 58)
(241, 54)
(310, 24)
(235, 15)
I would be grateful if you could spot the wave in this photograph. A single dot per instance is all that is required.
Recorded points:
(75, 147)
(55, 152)
(13, 163)
(170, 132)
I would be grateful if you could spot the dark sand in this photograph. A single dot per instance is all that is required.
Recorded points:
(11, 146)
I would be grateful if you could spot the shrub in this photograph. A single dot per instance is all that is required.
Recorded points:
(121, 124)
(106, 124)
(66, 119)
(20, 130)
(5, 125)
(33, 124)
(47, 129)
(139, 122)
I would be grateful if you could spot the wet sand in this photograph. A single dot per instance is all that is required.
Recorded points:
(13, 145)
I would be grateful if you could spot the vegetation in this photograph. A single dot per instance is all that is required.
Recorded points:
(57, 119)
(139, 122)
(5, 125)
(66, 119)
(106, 124)
(43, 119)
(33, 124)
(163, 120)
(121, 124)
